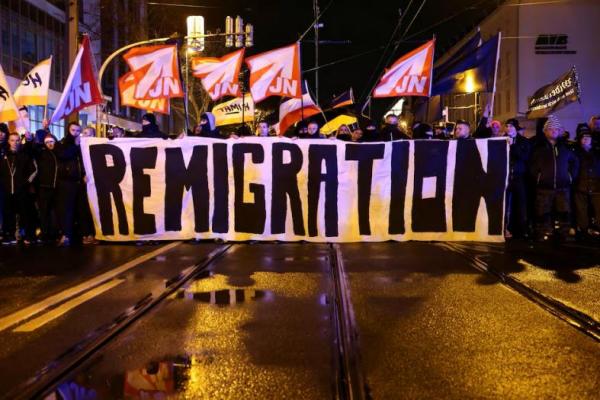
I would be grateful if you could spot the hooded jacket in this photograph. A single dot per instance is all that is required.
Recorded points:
(212, 131)
(553, 166)
(17, 170)
(70, 165)
(48, 167)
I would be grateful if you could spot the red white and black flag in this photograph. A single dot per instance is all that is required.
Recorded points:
(81, 89)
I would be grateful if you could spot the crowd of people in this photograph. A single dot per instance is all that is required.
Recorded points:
(553, 186)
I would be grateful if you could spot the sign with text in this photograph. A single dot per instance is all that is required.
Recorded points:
(291, 190)
(552, 97)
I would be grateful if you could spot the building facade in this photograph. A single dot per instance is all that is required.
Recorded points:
(541, 41)
(33, 30)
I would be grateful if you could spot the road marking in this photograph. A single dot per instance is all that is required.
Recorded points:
(28, 312)
(66, 307)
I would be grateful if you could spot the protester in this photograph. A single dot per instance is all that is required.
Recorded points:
(370, 133)
(17, 172)
(594, 126)
(117, 133)
(422, 131)
(390, 130)
(357, 136)
(517, 220)
(343, 133)
(47, 183)
(313, 131)
(439, 131)
(262, 129)
(88, 131)
(462, 130)
(72, 207)
(207, 127)
(3, 137)
(587, 185)
(150, 129)
(554, 167)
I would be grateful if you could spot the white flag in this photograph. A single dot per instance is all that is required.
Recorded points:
(33, 90)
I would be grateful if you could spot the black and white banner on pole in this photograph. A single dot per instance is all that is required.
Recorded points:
(290, 190)
(549, 98)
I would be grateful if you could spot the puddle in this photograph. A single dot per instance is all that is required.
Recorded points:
(155, 380)
(226, 297)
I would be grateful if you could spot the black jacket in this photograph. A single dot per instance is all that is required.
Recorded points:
(553, 166)
(520, 153)
(48, 167)
(389, 133)
(588, 179)
(17, 170)
(152, 131)
(70, 165)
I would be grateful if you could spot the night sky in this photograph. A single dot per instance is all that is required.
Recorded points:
(368, 24)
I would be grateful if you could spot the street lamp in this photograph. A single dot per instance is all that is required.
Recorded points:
(195, 32)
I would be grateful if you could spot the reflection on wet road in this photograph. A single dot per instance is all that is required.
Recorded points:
(263, 323)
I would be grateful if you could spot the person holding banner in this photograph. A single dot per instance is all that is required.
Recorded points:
(587, 185)
(516, 193)
(462, 130)
(262, 129)
(150, 129)
(553, 167)
(390, 130)
(17, 172)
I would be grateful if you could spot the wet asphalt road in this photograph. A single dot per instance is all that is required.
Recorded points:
(262, 325)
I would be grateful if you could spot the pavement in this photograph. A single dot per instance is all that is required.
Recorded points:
(265, 321)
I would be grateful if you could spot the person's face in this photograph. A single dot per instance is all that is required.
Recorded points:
(586, 142)
(553, 133)
(88, 132)
(263, 129)
(391, 121)
(118, 132)
(462, 131)
(49, 143)
(13, 142)
(312, 128)
(145, 122)
(344, 130)
(357, 134)
(496, 130)
(511, 131)
(203, 121)
(74, 130)
(198, 129)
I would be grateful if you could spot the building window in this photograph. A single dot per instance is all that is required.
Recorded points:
(36, 116)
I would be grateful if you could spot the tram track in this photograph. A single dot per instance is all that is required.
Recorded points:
(575, 318)
(45, 380)
(347, 373)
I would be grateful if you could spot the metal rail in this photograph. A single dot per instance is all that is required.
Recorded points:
(350, 383)
(56, 371)
(573, 317)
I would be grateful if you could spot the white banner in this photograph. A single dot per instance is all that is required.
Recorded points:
(291, 190)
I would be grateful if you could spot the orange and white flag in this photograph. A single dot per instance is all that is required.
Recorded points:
(410, 75)
(8, 107)
(295, 110)
(33, 90)
(219, 75)
(275, 73)
(127, 86)
(156, 72)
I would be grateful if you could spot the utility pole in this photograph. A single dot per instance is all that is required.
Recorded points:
(72, 42)
(317, 26)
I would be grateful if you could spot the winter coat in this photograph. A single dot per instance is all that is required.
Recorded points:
(389, 133)
(48, 166)
(553, 166)
(70, 165)
(151, 131)
(17, 170)
(520, 153)
(588, 180)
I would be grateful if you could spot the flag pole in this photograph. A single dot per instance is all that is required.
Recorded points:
(495, 74)
(184, 88)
